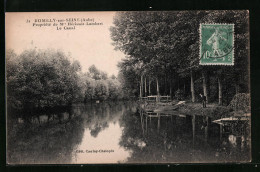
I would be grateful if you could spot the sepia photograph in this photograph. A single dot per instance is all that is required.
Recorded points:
(128, 87)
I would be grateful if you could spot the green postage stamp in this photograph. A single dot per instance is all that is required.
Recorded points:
(216, 44)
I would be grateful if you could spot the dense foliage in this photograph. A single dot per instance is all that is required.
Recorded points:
(41, 78)
(241, 102)
(162, 53)
(162, 57)
(96, 85)
(38, 79)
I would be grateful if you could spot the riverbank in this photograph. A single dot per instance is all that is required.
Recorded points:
(213, 110)
(239, 106)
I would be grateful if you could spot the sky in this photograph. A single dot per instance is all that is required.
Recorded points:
(87, 44)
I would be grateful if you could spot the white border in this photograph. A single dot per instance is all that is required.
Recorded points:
(233, 53)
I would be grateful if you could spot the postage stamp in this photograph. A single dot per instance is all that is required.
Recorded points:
(216, 44)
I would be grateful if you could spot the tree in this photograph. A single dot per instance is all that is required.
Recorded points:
(113, 76)
(144, 38)
(97, 86)
(165, 46)
(94, 72)
(101, 90)
(42, 78)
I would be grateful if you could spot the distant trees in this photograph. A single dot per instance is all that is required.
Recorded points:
(96, 74)
(162, 53)
(97, 86)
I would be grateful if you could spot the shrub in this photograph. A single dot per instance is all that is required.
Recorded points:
(240, 102)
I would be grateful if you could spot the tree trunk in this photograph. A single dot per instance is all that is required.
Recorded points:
(157, 89)
(237, 81)
(237, 88)
(142, 85)
(208, 84)
(192, 87)
(145, 90)
(165, 86)
(184, 89)
(171, 88)
(205, 86)
(178, 80)
(149, 87)
(220, 101)
(141, 88)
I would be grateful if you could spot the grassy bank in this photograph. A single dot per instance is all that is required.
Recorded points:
(240, 105)
(212, 110)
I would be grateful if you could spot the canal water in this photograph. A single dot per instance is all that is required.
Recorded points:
(119, 132)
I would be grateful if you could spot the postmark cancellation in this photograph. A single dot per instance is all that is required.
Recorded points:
(216, 44)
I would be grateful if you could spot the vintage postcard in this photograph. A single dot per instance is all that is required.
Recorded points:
(128, 87)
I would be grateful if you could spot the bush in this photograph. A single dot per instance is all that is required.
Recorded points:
(240, 102)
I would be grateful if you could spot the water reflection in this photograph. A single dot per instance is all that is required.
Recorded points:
(46, 143)
(182, 138)
(100, 142)
(121, 133)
